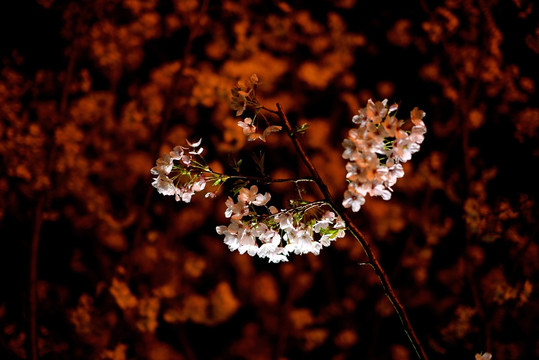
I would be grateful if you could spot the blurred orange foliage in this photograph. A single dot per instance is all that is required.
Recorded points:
(91, 92)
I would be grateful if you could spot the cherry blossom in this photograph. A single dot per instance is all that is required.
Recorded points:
(163, 165)
(353, 199)
(376, 112)
(274, 234)
(249, 130)
(184, 178)
(164, 185)
(248, 195)
(376, 149)
(485, 356)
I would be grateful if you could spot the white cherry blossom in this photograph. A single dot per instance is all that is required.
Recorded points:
(248, 195)
(353, 199)
(277, 233)
(163, 165)
(178, 174)
(247, 126)
(164, 185)
(376, 149)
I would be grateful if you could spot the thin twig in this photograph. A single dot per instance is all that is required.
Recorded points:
(34, 248)
(33, 348)
(373, 261)
(261, 180)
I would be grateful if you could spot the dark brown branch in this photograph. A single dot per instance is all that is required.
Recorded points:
(262, 180)
(32, 303)
(373, 261)
(42, 203)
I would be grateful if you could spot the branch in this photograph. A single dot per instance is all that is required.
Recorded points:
(42, 203)
(373, 261)
(262, 180)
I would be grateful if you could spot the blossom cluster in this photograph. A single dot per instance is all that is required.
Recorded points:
(244, 95)
(276, 234)
(183, 178)
(376, 150)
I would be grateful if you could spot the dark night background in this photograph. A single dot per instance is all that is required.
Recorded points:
(93, 92)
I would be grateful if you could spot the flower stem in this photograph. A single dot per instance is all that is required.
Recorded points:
(373, 261)
(262, 180)
(43, 203)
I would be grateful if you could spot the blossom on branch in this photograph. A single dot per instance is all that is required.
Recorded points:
(376, 149)
(184, 178)
(243, 94)
(249, 129)
(273, 234)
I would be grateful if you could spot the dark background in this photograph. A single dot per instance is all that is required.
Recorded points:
(93, 92)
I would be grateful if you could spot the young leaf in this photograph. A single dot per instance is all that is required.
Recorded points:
(301, 129)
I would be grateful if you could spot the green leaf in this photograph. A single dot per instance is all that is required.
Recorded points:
(239, 184)
(301, 129)
(235, 164)
(298, 203)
